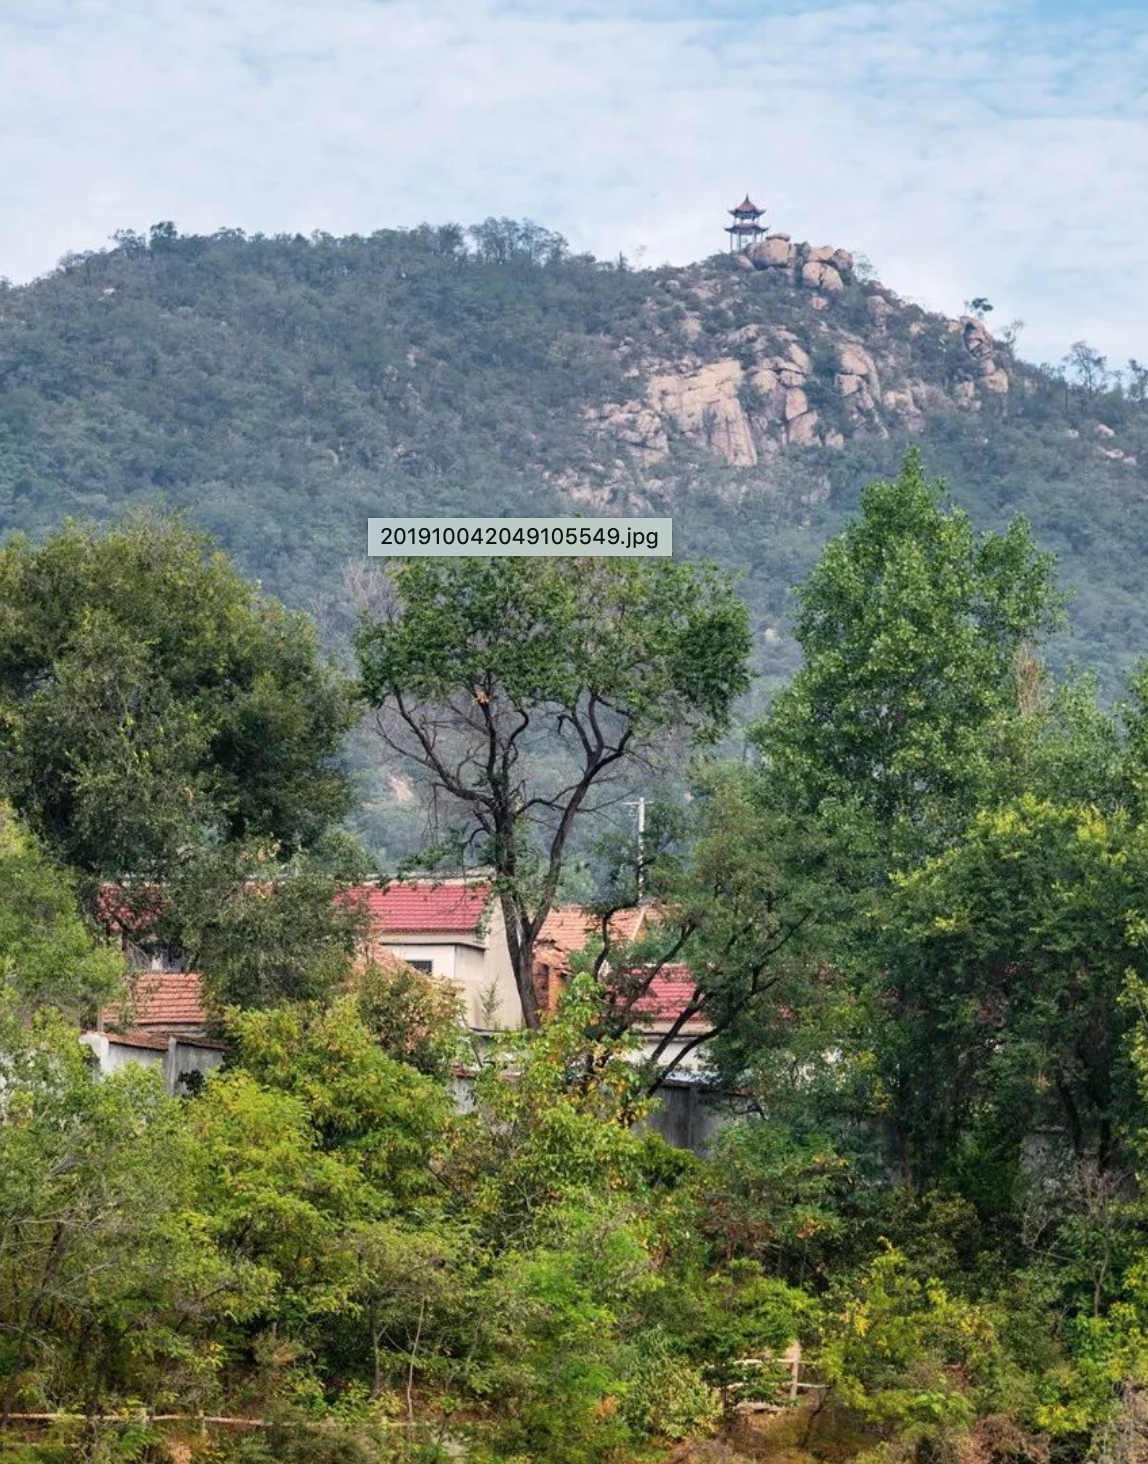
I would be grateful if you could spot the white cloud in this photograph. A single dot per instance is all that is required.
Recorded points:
(991, 148)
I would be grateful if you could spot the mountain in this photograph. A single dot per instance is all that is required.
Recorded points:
(283, 389)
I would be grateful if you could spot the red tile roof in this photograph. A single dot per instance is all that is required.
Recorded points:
(163, 999)
(671, 991)
(568, 928)
(425, 906)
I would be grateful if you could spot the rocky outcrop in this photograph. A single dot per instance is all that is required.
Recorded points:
(729, 377)
(637, 427)
(816, 275)
(975, 334)
(820, 267)
(704, 404)
(991, 375)
(774, 252)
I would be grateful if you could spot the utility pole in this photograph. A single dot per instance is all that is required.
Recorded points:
(640, 805)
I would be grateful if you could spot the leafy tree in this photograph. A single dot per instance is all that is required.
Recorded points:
(48, 956)
(523, 688)
(1089, 367)
(386, 1121)
(914, 1361)
(1002, 965)
(911, 625)
(260, 931)
(107, 1278)
(151, 699)
(413, 1017)
(730, 907)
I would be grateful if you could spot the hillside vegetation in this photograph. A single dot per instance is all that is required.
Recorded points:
(282, 389)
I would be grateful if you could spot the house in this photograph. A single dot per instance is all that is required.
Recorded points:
(570, 928)
(164, 1026)
(450, 928)
(682, 1116)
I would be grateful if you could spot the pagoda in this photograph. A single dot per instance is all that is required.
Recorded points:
(746, 228)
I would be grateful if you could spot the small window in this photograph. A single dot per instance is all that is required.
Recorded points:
(426, 967)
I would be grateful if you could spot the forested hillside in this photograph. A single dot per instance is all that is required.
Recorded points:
(284, 388)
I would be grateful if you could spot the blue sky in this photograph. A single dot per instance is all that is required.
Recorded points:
(968, 147)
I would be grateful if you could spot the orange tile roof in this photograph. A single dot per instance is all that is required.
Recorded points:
(569, 927)
(162, 999)
(153, 1041)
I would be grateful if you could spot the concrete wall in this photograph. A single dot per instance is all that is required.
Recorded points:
(187, 1064)
(111, 1055)
(181, 1060)
(479, 965)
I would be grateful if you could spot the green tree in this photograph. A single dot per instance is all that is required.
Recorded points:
(911, 625)
(259, 930)
(109, 1282)
(151, 699)
(413, 1017)
(522, 689)
(731, 907)
(48, 955)
(1000, 969)
(385, 1120)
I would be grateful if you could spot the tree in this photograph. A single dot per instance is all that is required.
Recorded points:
(1001, 965)
(1089, 367)
(108, 1281)
(48, 956)
(731, 904)
(911, 625)
(259, 930)
(151, 699)
(413, 1017)
(523, 688)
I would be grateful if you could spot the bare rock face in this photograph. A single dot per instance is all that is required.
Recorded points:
(879, 310)
(796, 403)
(704, 404)
(800, 357)
(842, 261)
(995, 379)
(823, 254)
(816, 275)
(855, 360)
(802, 430)
(976, 336)
(638, 428)
(775, 252)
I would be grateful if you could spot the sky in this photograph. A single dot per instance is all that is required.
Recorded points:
(994, 148)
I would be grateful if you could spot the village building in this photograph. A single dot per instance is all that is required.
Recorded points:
(451, 929)
(164, 1026)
